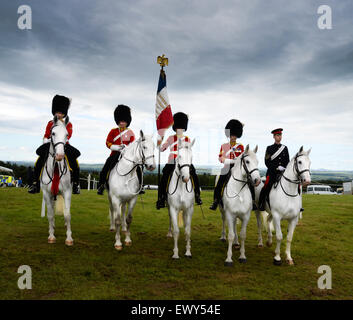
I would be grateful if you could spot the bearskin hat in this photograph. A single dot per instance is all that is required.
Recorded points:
(122, 113)
(180, 121)
(234, 128)
(60, 104)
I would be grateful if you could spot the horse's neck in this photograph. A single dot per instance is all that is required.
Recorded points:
(130, 157)
(290, 174)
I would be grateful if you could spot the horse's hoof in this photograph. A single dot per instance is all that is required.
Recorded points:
(228, 264)
(123, 232)
(51, 240)
(188, 256)
(111, 230)
(290, 262)
(128, 243)
(223, 240)
(242, 260)
(169, 235)
(268, 243)
(119, 248)
(236, 246)
(277, 262)
(69, 243)
(260, 245)
(175, 258)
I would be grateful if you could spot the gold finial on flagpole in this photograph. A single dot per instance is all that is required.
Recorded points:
(162, 61)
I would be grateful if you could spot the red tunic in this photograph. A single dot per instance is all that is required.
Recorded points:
(227, 152)
(50, 124)
(172, 143)
(119, 136)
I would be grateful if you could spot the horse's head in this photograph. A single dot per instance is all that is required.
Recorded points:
(249, 165)
(59, 137)
(184, 159)
(302, 166)
(147, 151)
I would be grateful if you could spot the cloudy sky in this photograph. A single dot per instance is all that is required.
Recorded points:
(265, 63)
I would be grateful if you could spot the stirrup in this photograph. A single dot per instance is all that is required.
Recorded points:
(214, 205)
(100, 190)
(34, 188)
(160, 204)
(76, 188)
(198, 200)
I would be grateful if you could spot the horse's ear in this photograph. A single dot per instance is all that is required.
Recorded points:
(55, 119)
(67, 119)
(255, 150)
(192, 142)
(247, 148)
(308, 152)
(142, 136)
(301, 149)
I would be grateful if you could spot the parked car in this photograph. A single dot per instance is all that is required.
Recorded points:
(319, 189)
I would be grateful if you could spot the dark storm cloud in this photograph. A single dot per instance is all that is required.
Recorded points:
(210, 43)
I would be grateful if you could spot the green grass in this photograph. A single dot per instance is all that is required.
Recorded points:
(93, 269)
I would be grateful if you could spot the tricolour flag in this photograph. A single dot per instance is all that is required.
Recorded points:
(164, 116)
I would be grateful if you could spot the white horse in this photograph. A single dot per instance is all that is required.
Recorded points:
(237, 200)
(181, 196)
(55, 179)
(286, 201)
(124, 185)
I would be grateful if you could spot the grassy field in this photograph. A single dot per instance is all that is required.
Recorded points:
(93, 269)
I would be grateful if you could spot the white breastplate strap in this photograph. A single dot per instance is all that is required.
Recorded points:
(231, 149)
(278, 152)
(120, 134)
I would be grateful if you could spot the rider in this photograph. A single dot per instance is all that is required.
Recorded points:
(180, 125)
(117, 140)
(60, 106)
(228, 152)
(276, 160)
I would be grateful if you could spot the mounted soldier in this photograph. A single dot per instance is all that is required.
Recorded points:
(60, 106)
(229, 151)
(117, 139)
(180, 125)
(276, 160)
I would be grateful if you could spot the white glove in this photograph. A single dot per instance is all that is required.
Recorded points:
(280, 168)
(229, 161)
(45, 140)
(117, 147)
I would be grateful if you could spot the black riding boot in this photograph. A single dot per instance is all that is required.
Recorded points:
(109, 163)
(35, 185)
(162, 197)
(222, 181)
(72, 154)
(195, 179)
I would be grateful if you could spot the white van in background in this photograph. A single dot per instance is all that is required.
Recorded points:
(319, 189)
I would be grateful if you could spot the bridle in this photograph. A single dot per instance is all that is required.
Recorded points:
(135, 164)
(297, 173)
(62, 170)
(248, 175)
(179, 175)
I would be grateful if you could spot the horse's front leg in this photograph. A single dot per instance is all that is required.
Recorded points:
(67, 215)
(170, 234)
(236, 240)
(132, 203)
(174, 217)
(50, 215)
(242, 258)
(223, 235)
(111, 214)
(277, 224)
(230, 221)
(291, 226)
(259, 228)
(123, 218)
(187, 222)
(117, 219)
